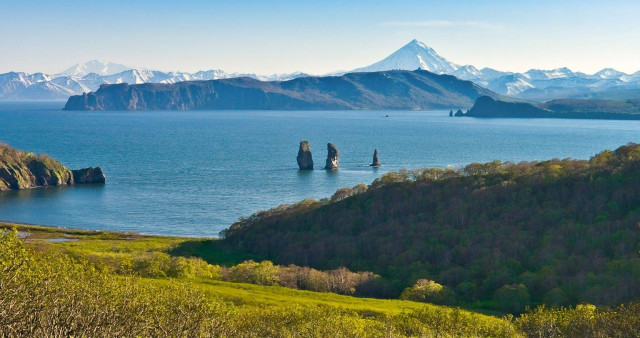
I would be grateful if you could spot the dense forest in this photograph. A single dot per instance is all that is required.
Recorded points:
(497, 235)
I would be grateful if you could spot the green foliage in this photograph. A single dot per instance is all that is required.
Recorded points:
(429, 322)
(564, 229)
(581, 321)
(263, 273)
(51, 294)
(425, 290)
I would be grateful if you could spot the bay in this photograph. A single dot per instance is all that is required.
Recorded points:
(193, 173)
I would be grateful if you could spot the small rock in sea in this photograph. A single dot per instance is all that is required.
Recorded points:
(305, 160)
(376, 162)
(332, 157)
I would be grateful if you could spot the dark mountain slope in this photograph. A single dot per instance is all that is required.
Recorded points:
(414, 90)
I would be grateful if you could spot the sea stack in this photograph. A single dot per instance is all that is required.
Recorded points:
(332, 157)
(459, 113)
(305, 160)
(376, 162)
(451, 113)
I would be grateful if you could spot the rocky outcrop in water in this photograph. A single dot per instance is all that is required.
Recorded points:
(376, 162)
(305, 160)
(88, 176)
(332, 157)
(459, 113)
(23, 170)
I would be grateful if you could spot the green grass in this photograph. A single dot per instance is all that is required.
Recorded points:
(132, 245)
(256, 295)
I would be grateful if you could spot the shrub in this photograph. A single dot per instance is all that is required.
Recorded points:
(425, 290)
(263, 273)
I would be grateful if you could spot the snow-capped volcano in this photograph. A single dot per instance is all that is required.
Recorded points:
(412, 56)
(94, 66)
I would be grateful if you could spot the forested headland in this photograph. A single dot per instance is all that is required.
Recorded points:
(494, 235)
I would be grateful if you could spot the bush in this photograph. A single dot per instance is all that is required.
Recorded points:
(425, 290)
(263, 273)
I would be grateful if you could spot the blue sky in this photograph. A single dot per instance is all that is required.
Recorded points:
(317, 36)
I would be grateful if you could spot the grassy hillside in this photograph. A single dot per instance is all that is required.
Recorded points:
(49, 287)
(496, 235)
(59, 270)
(110, 249)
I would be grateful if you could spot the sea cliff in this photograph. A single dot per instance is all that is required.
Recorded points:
(23, 170)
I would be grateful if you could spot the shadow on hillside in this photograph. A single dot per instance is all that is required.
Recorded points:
(214, 251)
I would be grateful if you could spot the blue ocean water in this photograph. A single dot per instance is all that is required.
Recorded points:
(193, 173)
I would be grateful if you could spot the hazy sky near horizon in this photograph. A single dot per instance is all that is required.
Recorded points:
(317, 36)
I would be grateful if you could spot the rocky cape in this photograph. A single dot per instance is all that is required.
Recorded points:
(406, 90)
(563, 108)
(23, 170)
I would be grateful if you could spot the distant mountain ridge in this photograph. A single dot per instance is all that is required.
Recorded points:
(407, 90)
(534, 85)
(89, 76)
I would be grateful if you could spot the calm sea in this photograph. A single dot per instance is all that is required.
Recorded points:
(194, 173)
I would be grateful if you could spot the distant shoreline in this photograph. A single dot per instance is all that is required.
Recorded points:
(62, 229)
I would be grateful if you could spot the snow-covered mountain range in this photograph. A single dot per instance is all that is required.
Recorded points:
(535, 84)
(89, 76)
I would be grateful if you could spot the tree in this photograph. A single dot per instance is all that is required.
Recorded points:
(425, 290)
(512, 298)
